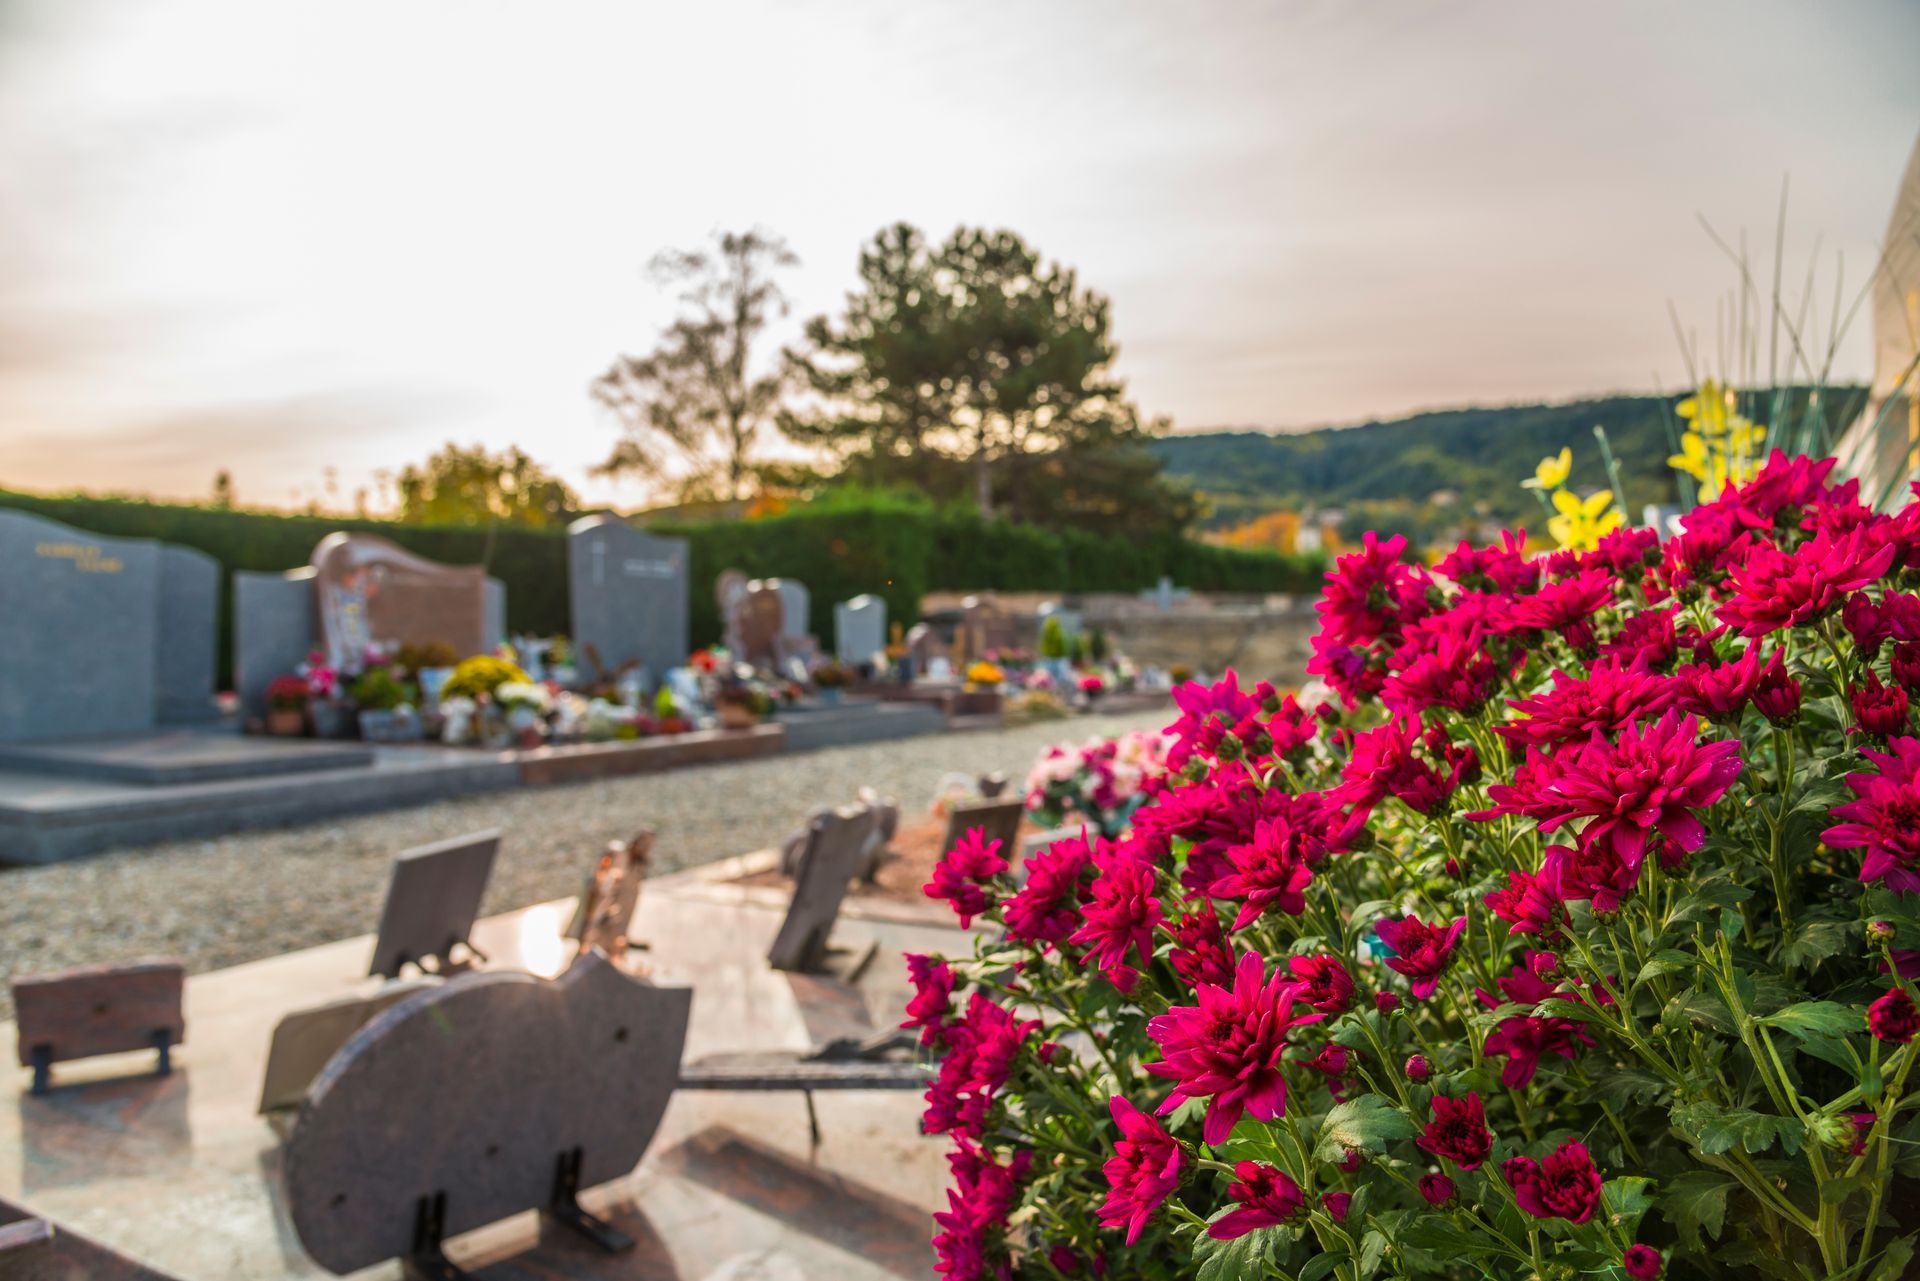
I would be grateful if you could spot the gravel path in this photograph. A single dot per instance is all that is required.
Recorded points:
(232, 899)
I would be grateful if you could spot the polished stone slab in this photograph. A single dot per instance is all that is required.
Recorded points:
(180, 1173)
(166, 758)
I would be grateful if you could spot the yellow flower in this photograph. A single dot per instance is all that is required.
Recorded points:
(1552, 472)
(1582, 523)
(1692, 458)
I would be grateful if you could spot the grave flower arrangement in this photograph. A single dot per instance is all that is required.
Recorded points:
(985, 675)
(1572, 934)
(1101, 781)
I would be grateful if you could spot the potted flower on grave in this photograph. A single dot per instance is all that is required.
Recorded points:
(431, 665)
(1093, 685)
(984, 675)
(738, 705)
(832, 678)
(475, 682)
(324, 704)
(668, 718)
(524, 705)
(386, 706)
(287, 699)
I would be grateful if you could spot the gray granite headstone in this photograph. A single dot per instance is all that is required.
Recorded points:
(834, 854)
(188, 635)
(472, 1093)
(78, 620)
(796, 605)
(494, 607)
(859, 629)
(432, 901)
(629, 594)
(1071, 623)
(273, 631)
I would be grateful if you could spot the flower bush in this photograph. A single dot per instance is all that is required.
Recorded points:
(1102, 780)
(1571, 934)
(479, 676)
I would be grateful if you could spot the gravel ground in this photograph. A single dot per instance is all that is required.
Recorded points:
(225, 901)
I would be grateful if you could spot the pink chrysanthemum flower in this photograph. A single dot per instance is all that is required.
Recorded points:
(1324, 983)
(1143, 1170)
(1650, 781)
(932, 997)
(1047, 908)
(1525, 905)
(1773, 589)
(1564, 1186)
(1559, 607)
(1121, 915)
(1228, 1047)
(1268, 871)
(1267, 1196)
(1607, 700)
(1521, 1039)
(1422, 952)
(1201, 706)
(963, 875)
(1884, 817)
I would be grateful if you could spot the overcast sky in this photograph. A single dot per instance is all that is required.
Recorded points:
(280, 239)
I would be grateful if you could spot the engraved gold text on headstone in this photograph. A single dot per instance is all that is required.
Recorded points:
(86, 557)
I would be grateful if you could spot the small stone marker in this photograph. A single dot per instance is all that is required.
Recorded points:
(997, 820)
(99, 1009)
(860, 630)
(612, 894)
(305, 1040)
(432, 902)
(488, 1095)
(835, 847)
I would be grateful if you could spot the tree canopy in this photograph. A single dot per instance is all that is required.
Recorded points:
(469, 486)
(693, 408)
(975, 367)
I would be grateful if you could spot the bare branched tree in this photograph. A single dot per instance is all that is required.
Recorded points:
(694, 406)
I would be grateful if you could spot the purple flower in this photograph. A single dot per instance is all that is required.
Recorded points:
(1421, 951)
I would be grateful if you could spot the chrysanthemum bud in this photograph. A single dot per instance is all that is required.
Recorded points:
(1418, 1068)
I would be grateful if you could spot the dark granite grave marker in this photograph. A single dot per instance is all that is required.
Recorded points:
(79, 621)
(98, 1009)
(758, 625)
(985, 628)
(274, 626)
(860, 630)
(832, 857)
(432, 902)
(628, 590)
(997, 820)
(305, 1040)
(486, 1096)
(187, 636)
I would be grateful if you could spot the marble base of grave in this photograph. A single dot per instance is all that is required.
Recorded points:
(856, 720)
(166, 758)
(578, 762)
(180, 1174)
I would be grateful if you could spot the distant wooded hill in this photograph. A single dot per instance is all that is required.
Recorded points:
(1479, 455)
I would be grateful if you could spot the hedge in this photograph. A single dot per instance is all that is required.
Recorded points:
(895, 548)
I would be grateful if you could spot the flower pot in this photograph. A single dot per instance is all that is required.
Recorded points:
(330, 718)
(528, 736)
(737, 716)
(377, 726)
(831, 695)
(286, 722)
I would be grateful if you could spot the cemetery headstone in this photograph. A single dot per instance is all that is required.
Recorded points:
(187, 634)
(859, 629)
(432, 902)
(495, 605)
(79, 620)
(486, 1096)
(831, 859)
(273, 630)
(923, 646)
(305, 1040)
(368, 590)
(985, 628)
(98, 1009)
(605, 911)
(796, 612)
(759, 620)
(728, 588)
(628, 593)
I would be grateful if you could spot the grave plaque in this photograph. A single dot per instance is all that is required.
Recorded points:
(432, 901)
(187, 636)
(273, 631)
(628, 590)
(305, 1040)
(370, 591)
(98, 1009)
(860, 630)
(79, 622)
(997, 820)
(833, 855)
(605, 913)
(483, 1097)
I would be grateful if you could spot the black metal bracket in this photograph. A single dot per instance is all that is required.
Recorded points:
(42, 1065)
(163, 1042)
(565, 1208)
(426, 1261)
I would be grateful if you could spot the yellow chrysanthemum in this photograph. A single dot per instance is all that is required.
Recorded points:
(1582, 523)
(1552, 471)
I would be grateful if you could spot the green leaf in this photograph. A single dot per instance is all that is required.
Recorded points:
(1716, 1129)
(1817, 941)
(1318, 1266)
(1368, 1122)
(1836, 1191)
(1373, 1248)
(1228, 1260)
(1628, 1198)
(1555, 1007)
(1698, 1007)
(1629, 1085)
(1697, 1200)
(1435, 1234)
(1816, 1018)
(1665, 962)
(1894, 1260)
